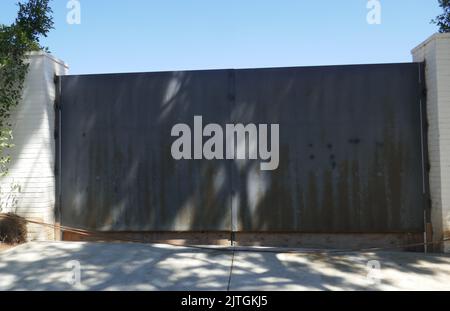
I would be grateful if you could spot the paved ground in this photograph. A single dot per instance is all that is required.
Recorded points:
(120, 266)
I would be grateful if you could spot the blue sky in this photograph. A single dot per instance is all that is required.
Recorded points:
(147, 35)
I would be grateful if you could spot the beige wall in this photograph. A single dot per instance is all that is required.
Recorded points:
(33, 157)
(435, 51)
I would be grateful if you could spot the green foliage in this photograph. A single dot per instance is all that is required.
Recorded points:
(33, 21)
(443, 20)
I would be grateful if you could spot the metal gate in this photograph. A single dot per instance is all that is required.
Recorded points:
(352, 152)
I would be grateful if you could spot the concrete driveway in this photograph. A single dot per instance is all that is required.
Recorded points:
(123, 266)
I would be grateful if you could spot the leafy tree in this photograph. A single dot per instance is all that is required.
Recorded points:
(34, 20)
(443, 20)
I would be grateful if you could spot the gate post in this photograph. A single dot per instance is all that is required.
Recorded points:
(435, 51)
(32, 166)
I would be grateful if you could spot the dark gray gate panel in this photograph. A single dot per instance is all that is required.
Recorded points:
(117, 171)
(350, 149)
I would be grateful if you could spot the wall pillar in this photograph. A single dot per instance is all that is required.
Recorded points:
(435, 51)
(33, 156)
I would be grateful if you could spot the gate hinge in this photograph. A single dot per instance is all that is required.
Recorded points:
(424, 92)
(57, 106)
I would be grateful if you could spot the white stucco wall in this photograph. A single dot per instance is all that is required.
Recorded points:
(33, 157)
(435, 51)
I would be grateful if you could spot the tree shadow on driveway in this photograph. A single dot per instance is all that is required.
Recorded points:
(126, 266)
